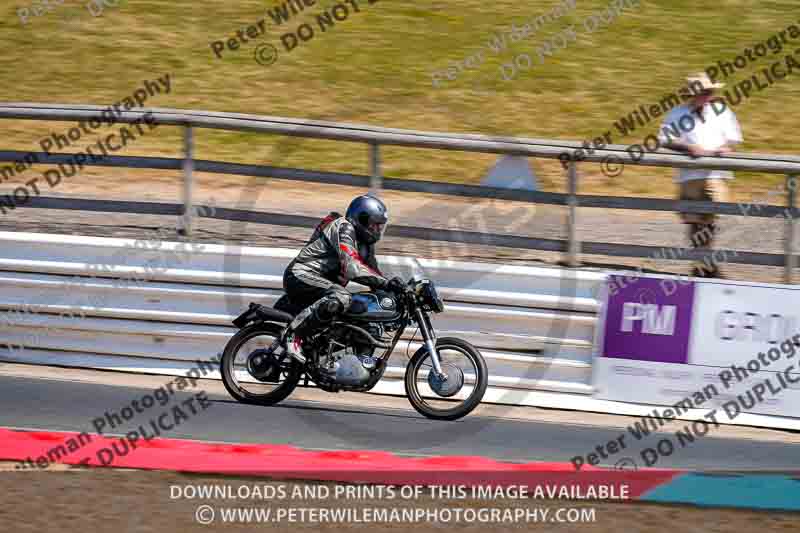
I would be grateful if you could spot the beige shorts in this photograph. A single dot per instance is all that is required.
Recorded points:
(711, 190)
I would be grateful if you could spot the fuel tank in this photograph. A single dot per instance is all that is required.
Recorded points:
(377, 306)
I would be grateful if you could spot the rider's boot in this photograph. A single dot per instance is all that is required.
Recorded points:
(289, 343)
(293, 345)
(309, 321)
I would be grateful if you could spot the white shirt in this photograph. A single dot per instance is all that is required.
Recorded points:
(717, 128)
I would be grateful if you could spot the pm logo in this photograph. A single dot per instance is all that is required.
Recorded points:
(655, 319)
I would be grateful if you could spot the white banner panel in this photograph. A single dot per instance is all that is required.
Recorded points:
(700, 344)
(684, 387)
(733, 323)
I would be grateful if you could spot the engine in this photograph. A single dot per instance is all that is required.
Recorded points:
(350, 369)
(349, 359)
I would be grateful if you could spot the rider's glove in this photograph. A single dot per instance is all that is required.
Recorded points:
(396, 285)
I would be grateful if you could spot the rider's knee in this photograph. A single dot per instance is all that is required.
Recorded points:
(330, 308)
(333, 305)
(342, 296)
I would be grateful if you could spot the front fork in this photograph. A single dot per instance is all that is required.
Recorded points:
(430, 342)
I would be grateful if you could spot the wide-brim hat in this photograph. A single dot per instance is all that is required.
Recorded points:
(702, 80)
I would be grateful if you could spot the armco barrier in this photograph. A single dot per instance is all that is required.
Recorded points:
(183, 314)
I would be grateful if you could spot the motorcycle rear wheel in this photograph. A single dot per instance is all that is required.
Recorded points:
(290, 369)
(421, 361)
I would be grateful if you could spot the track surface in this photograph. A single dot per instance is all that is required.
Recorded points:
(55, 404)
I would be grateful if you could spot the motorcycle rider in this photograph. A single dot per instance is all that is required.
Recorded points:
(341, 249)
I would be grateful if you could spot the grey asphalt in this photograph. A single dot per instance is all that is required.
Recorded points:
(71, 406)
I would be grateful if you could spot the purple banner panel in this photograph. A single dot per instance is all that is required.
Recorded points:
(648, 319)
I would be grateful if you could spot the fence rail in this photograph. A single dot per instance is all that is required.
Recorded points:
(377, 136)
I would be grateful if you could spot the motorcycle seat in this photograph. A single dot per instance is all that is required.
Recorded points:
(287, 306)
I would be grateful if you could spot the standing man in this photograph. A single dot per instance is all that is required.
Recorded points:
(716, 131)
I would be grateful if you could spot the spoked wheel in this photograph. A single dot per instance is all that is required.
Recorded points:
(456, 396)
(251, 373)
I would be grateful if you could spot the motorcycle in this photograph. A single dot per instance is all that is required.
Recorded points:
(352, 353)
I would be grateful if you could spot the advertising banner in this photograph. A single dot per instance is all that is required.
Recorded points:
(699, 344)
(739, 321)
(645, 323)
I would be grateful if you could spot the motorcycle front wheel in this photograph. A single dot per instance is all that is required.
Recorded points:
(265, 385)
(460, 393)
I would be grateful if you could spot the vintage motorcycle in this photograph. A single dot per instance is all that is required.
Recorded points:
(445, 379)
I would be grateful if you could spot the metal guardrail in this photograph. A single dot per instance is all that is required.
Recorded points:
(377, 136)
(182, 314)
(537, 342)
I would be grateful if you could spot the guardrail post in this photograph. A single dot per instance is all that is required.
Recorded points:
(185, 222)
(375, 180)
(573, 245)
(790, 263)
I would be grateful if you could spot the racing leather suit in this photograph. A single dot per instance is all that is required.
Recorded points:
(317, 277)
